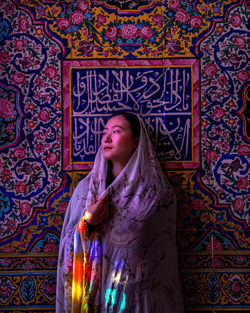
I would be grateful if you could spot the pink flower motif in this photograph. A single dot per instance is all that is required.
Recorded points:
(20, 45)
(197, 204)
(244, 150)
(190, 287)
(5, 261)
(224, 92)
(242, 183)
(10, 127)
(39, 82)
(236, 287)
(242, 75)
(51, 158)
(43, 115)
(223, 145)
(18, 78)
(128, 31)
(76, 17)
(63, 23)
(20, 187)
(27, 266)
(236, 20)
(6, 108)
(53, 50)
(84, 32)
(222, 80)
(238, 204)
(7, 249)
(240, 42)
(6, 175)
(217, 262)
(111, 32)
(11, 224)
(182, 16)
(233, 59)
(51, 71)
(231, 121)
(4, 57)
(83, 5)
(101, 18)
(237, 228)
(52, 260)
(50, 247)
(39, 148)
(86, 47)
(24, 208)
(195, 21)
(63, 206)
(216, 9)
(50, 288)
(219, 29)
(240, 259)
(211, 156)
(173, 46)
(157, 19)
(56, 220)
(168, 35)
(113, 51)
(19, 153)
(219, 113)
(9, 8)
(174, 4)
(210, 69)
(218, 131)
(247, 4)
(37, 184)
(146, 32)
(214, 245)
(23, 24)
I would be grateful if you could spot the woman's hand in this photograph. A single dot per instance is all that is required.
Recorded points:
(97, 211)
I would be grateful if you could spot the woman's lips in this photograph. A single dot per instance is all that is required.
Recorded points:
(107, 148)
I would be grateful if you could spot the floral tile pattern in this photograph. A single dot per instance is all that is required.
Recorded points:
(37, 39)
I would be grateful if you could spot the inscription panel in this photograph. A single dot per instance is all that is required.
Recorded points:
(162, 95)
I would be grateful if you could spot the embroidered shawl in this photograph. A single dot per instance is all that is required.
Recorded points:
(129, 264)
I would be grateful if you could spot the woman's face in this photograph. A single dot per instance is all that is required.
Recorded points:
(118, 142)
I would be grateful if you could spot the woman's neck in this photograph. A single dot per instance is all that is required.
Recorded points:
(116, 169)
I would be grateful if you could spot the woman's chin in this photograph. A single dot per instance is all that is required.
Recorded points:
(107, 157)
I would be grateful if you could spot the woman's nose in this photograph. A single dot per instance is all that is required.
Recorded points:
(108, 137)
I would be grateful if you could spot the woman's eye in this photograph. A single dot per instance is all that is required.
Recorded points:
(116, 131)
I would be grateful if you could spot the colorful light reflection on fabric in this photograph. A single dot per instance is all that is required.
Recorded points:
(83, 264)
(110, 297)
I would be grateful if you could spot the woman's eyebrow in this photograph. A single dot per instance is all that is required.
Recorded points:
(118, 126)
(114, 126)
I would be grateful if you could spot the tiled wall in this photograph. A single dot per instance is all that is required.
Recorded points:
(182, 65)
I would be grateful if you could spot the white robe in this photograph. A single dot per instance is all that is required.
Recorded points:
(133, 254)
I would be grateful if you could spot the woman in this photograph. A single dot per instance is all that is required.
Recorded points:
(118, 250)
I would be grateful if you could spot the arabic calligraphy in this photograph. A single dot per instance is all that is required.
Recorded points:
(161, 96)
